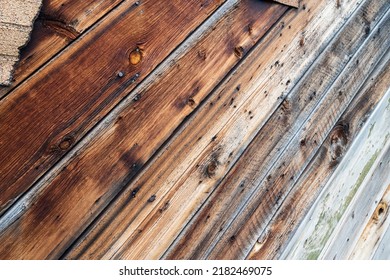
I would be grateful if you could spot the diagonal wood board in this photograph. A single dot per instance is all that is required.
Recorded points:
(16, 22)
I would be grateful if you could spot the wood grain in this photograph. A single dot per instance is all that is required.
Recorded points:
(212, 154)
(59, 23)
(311, 242)
(246, 227)
(383, 250)
(214, 216)
(185, 172)
(248, 21)
(277, 234)
(86, 182)
(369, 183)
(83, 88)
(369, 244)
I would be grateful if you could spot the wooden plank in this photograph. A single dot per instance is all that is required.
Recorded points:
(60, 22)
(383, 251)
(83, 86)
(185, 172)
(223, 205)
(374, 235)
(16, 22)
(246, 227)
(371, 189)
(101, 165)
(315, 230)
(276, 236)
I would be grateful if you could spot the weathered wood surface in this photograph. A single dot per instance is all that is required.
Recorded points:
(369, 244)
(383, 250)
(276, 236)
(166, 183)
(313, 234)
(59, 23)
(84, 87)
(109, 159)
(243, 232)
(371, 183)
(224, 163)
(174, 193)
(225, 203)
(16, 22)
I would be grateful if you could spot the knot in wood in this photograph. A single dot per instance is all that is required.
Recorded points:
(211, 168)
(136, 56)
(380, 211)
(239, 51)
(66, 143)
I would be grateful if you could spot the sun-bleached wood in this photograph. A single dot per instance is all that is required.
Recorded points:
(277, 234)
(318, 226)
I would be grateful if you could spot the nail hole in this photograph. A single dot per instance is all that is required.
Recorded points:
(239, 51)
(191, 102)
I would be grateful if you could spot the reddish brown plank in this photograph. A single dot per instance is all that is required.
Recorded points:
(60, 22)
(50, 112)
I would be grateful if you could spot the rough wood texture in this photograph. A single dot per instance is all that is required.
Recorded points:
(177, 189)
(248, 18)
(187, 129)
(366, 206)
(310, 240)
(103, 181)
(383, 250)
(83, 88)
(226, 202)
(59, 23)
(276, 236)
(16, 22)
(243, 232)
(369, 244)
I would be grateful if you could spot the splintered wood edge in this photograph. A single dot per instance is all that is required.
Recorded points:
(292, 3)
(16, 23)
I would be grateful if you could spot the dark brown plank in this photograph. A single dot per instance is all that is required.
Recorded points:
(50, 112)
(60, 22)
